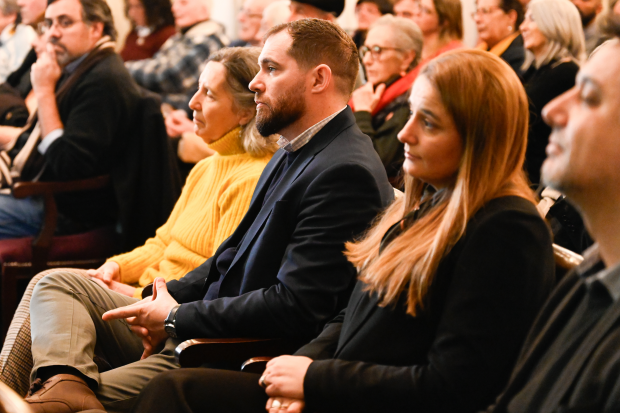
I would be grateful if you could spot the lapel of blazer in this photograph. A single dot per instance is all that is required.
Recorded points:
(361, 305)
(585, 350)
(318, 142)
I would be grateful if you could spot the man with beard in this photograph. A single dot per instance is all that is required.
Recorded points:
(86, 102)
(282, 272)
(589, 9)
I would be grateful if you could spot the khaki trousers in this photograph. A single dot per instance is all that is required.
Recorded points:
(67, 330)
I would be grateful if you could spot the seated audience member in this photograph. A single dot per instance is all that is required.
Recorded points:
(190, 147)
(390, 55)
(405, 8)
(367, 12)
(15, 38)
(218, 191)
(571, 358)
(498, 24)
(18, 82)
(588, 11)
(554, 40)
(274, 14)
(174, 70)
(152, 24)
(318, 9)
(86, 104)
(441, 23)
(249, 18)
(450, 277)
(280, 274)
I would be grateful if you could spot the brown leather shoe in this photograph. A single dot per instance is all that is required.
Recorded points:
(62, 393)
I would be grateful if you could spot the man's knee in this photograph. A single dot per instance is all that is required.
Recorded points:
(60, 281)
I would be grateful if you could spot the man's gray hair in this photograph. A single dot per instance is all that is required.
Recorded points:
(97, 11)
(9, 7)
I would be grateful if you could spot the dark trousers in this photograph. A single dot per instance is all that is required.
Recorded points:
(202, 390)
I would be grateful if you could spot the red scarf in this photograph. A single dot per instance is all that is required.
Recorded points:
(403, 84)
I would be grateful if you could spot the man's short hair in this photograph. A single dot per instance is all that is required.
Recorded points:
(97, 11)
(318, 42)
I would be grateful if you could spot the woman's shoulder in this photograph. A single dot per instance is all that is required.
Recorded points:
(507, 208)
(564, 67)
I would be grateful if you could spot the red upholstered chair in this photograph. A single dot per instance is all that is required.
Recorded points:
(23, 258)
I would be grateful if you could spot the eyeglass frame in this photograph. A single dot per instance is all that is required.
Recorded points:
(376, 51)
(248, 13)
(47, 24)
(485, 11)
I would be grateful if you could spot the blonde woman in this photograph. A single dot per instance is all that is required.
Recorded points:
(450, 277)
(553, 36)
(218, 190)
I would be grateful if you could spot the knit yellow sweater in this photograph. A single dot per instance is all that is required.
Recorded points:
(215, 198)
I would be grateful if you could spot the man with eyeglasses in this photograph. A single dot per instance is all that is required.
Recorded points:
(174, 70)
(86, 104)
(249, 19)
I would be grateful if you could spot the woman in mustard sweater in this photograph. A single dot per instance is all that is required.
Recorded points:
(218, 190)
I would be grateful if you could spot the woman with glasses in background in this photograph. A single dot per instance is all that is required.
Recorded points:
(390, 54)
(498, 24)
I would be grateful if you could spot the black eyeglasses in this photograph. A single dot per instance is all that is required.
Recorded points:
(375, 51)
(62, 23)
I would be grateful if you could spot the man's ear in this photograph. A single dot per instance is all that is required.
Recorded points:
(321, 78)
(97, 29)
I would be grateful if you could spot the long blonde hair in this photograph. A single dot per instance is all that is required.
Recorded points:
(490, 110)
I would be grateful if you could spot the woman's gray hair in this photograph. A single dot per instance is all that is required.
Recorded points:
(408, 35)
(241, 65)
(560, 23)
(9, 7)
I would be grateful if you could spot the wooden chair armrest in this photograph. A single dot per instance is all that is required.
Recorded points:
(255, 365)
(565, 258)
(196, 352)
(42, 243)
(26, 189)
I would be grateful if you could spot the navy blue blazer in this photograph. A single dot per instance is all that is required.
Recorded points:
(289, 276)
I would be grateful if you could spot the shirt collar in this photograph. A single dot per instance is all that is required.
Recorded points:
(70, 68)
(610, 278)
(305, 136)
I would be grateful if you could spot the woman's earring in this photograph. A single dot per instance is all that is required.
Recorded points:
(510, 29)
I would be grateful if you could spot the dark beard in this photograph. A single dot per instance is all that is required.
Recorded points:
(283, 112)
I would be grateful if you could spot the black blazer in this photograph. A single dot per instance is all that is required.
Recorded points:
(289, 276)
(99, 115)
(543, 85)
(590, 381)
(457, 354)
(514, 55)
